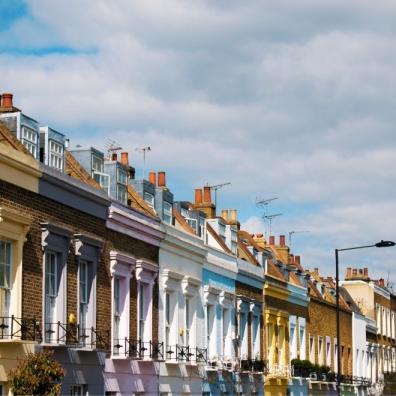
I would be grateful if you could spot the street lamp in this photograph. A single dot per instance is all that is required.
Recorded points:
(380, 244)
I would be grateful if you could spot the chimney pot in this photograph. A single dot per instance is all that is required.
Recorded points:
(124, 158)
(7, 100)
(207, 197)
(316, 270)
(272, 240)
(224, 214)
(354, 271)
(114, 157)
(198, 195)
(233, 215)
(365, 271)
(282, 240)
(153, 178)
(297, 260)
(349, 272)
(259, 235)
(161, 179)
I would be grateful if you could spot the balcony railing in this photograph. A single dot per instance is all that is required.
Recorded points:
(12, 328)
(254, 365)
(181, 353)
(72, 335)
(137, 349)
(278, 370)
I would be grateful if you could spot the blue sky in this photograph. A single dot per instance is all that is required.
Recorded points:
(283, 99)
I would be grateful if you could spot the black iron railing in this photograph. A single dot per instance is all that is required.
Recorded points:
(12, 327)
(181, 353)
(73, 335)
(329, 376)
(137, 349)
(253, 365)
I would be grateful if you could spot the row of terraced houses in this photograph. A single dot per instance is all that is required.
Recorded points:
(138, 293)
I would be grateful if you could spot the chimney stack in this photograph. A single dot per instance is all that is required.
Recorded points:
(161, 179)
(224, 214)
(365, 271)
(233, 215)
(282, 240)
(381, 282)
(124, 158)
(198, 195)
(114, 157)
(272, 240)
(7, 100)
(297, 260)
(153, 178)
(207, 198)
(0, 102)
(349, 272)
(316, 270)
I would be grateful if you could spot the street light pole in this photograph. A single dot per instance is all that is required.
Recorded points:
(382, 243)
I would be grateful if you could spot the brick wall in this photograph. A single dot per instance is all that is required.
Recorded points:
(42, 209)
(321, 321)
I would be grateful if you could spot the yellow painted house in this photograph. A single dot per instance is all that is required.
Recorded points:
(21, 169)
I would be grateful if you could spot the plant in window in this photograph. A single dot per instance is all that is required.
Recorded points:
(38, 374)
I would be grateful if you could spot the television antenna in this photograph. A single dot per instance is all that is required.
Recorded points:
(264, 204)
(143, 150)
(111, 146)
(217, 187)
(291, 233)
(270, 217)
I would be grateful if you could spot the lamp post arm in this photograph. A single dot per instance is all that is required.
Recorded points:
(356, 247)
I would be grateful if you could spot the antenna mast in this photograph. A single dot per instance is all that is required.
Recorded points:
(264, 204)
(112, 146)
(291, 233)
(217, 187)
(270, 217)
(143, 150)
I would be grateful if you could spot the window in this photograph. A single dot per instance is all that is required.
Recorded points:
(209, 328)
(270, 334)
(29, 140)
(255, 336)
(328, 351)
(312, 348)
(167, 213)
(187, 322)
(122, 193)
(122, 176)
(302, 342)
(201, 226)
(320, 351)
(167, 320)
(149, 198)
(84, 299)
(5, 277)
(51, 294)
(116, 314)
(242, 335)
(141, 311)
(78, 390)
(293, 343)
(280, 343)
(97, 163)
(222, 230)
(55, 155)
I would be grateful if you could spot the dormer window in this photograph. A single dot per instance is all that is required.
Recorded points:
(122, 176)
(167, 213)
(55, 155)
(149, 198)
(30, 140)
(122, 193)
(97, 164)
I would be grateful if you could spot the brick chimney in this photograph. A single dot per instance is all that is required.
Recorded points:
(224, 214)
(124, 158)
(198, 195)
(297, 260)
(259, 239)
(114, 157)
(207, 197)
(365, 271)
(282, 240)
(205, 204)
(7, 100)
(161, 179)
(272, 240)
(348, 273)
(233, 216)
(381, 282)
(153, 178)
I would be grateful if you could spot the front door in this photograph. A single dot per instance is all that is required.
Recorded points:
(51, 295)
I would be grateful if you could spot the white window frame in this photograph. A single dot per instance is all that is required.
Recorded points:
(149, 199)
(122, 193)
(55, 154)
(6, 274)
(167, 212)
(30, 139)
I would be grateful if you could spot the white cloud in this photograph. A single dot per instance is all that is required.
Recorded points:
(289, 99)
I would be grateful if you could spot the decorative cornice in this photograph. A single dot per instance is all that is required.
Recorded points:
(81, 240)
(138, 226)
(121, 264)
